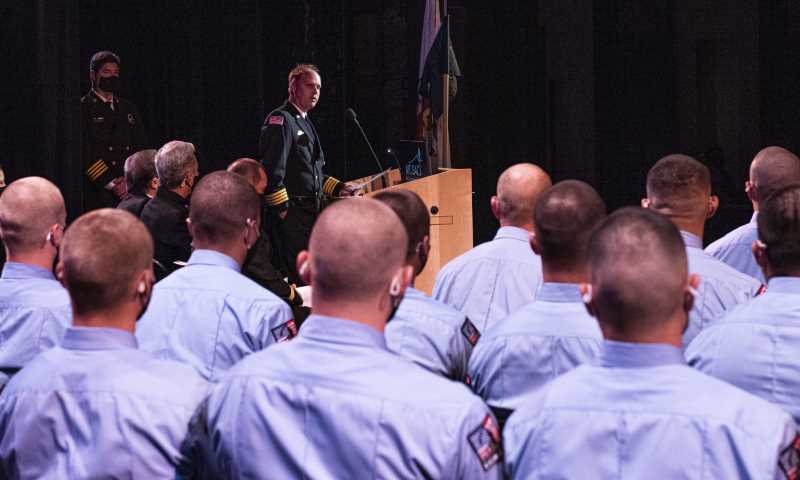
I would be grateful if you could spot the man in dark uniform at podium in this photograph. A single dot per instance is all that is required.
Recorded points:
(292, 154)
(112, 130)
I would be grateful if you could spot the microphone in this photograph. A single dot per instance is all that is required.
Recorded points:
(390, 151)
(351, 115)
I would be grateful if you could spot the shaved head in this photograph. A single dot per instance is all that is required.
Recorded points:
(412, 212)
(356, 247)
(140, 169)
(102, 254)
(638, 270)
(779, 229)
(772, 169)
(518, 188)
(252, 170)
(220, 207)
(28, 208)
(679, 185)
(565, 217)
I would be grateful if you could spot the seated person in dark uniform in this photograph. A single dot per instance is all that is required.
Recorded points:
(140, 180)
(112, 129)
(165, 215)
(258, 264)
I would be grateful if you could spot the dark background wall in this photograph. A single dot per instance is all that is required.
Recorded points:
(596, 90)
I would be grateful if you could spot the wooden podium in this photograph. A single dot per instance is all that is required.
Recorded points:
(448, 196)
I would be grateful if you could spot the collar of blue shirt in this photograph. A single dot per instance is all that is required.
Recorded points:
(783, 285)
(559, 293)
(639, 355)
(212, 257)
(754, 218)
(691, 240)
(96, 338)
(18, 271)
(338, 330)
(514, 233)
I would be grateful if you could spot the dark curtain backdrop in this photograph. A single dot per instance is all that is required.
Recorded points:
(596, 90)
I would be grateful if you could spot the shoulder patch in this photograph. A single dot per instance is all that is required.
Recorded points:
(284, 332)
(470, 331)
(275, 120)
(789, 460)
(762, 290)
(485, 442)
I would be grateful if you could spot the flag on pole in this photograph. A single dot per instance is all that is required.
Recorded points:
(437, 87)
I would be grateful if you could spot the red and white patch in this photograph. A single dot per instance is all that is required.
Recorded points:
(284, 332)
(470, 332)
(485, 442)
(275, 120)
(789, 460)
(762, 290)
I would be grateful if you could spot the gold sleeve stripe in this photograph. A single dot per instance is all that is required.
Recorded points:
(98, 165)
(330, 186)
(292, 293)
(94, 176)
(278, 197)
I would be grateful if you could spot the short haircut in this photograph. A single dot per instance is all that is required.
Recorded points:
(102, 253)
(140, 169)
(174, 161)
(28, 208)
(564, 219)
(356, 247)
(101, 58)
(518, 189)
(772, 169)
(299, 70)
(412, 212)
(220, 206)
(248, 168)
(638, 270)
(779, 229)
(677, 182)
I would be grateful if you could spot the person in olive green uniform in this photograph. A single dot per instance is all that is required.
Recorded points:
(292, 154)
(112, 130)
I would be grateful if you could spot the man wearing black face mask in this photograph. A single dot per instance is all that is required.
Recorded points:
(112, 130)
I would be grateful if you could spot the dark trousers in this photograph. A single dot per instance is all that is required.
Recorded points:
(292, 235)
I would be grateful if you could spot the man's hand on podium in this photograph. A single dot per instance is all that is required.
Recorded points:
(350, 189)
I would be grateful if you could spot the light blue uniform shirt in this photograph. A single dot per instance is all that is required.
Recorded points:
(431, 334)
(34, 313)
(493, 279)
(735, 249)
(96, 407)
(334, 403)
(721, 287)
(537, 343)
(643, 413)
(210, 316)
(756, 345)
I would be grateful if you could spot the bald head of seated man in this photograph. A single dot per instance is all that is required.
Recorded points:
(554, 333)
(656, 416)
(34, 307)
(679, 187)
(772, 169)
(376, 415)
(430, 333)
(140, 180)
(498, 277)
(217, 315)
(132, 409)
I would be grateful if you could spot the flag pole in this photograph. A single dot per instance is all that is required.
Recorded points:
(444, 143)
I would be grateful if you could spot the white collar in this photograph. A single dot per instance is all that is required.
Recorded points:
(302, 113)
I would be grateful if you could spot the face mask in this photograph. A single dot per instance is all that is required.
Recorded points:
(108, 84)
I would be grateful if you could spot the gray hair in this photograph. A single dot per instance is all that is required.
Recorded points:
(174, 161)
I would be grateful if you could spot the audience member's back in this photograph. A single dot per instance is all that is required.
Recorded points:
(642, 412)
(34, 307)
(496, 278)
(141, 181)
(207, 313)
(755, 345)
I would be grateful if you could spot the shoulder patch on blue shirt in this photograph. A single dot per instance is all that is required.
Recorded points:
(470, 331)
(789, 460)
(485, 442)
(284, 332)
(762, 290)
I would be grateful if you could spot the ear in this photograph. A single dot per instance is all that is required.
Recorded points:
(190, 227)
(645, 202)
(713, 206)
(534, 241)
(497, 211)
(750, 191)
(304, 266)
(251, 232)
(588, 300)
(401, 281)
(56, 234)
(154, 183)
(759, 250)
(60, 273)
